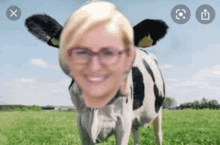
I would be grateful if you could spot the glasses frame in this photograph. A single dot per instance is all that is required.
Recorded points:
(91, 54)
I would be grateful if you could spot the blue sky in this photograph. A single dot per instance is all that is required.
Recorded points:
(188, 56)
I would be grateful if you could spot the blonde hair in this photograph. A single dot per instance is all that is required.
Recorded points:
(88, 17)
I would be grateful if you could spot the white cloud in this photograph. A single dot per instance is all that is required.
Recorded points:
(208, 73)
(171, 80)
(203, 83)
(210, 50)
(27, 80)
(190, 90)
(30, 91)
(43, 64)
(165, 66)
(39, 62)
(216, 72)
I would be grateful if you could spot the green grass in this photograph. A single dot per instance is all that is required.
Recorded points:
(180, 127)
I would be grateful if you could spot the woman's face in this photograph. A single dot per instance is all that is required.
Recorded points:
(96, 80)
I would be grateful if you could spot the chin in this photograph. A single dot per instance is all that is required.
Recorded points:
(97, 100)
(96, 93)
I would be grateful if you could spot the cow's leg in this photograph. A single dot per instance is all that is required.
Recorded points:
(136, 136)
(123, 130)
(158, 128)
(84, 136)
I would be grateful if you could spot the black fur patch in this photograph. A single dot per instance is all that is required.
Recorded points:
(159, 98)
(132, 92)
(149, 70)
(42, 26)
(156, 28)
(156, 61)
(138, 88)
(71, 84)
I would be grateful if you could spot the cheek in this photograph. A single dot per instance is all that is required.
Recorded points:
(120, 67)
(75, 71)
(119, 70)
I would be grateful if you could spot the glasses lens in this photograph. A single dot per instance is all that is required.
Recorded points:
(80, 55)
(109, 56)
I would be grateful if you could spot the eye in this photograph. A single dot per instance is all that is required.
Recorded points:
(107, 52)
(80, 51)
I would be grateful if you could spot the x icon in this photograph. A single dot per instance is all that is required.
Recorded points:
(13, 13)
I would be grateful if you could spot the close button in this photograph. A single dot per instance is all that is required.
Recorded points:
(13, 13)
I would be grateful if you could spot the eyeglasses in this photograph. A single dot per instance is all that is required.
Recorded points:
(106, 56)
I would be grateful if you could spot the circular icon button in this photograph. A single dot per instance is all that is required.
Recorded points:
(205, 14)
(13, 13)
(180, 14)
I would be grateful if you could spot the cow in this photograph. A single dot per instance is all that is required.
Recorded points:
(141, 106)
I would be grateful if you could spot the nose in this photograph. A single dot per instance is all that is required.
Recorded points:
(94, 64)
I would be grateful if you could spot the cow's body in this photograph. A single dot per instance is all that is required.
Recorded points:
(145, 86)
(141, 106)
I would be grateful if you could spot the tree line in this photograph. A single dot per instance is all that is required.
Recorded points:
(170, 103)
(28, 108)
(20, 108)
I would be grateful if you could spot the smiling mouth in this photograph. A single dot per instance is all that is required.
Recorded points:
(96, 79)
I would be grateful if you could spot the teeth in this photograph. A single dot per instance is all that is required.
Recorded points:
(95, 78)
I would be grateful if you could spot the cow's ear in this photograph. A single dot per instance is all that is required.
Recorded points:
(148, 32)
(44, 28)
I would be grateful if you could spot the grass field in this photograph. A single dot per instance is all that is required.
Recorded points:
(180, 127)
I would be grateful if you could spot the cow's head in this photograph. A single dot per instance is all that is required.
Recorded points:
(45, 28)
(96, 28)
